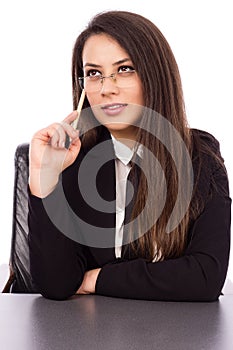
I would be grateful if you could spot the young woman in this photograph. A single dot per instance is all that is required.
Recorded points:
(136, 205)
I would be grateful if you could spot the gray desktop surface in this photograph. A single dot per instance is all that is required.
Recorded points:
(31, 322)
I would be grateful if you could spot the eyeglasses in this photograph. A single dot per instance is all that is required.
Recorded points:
(94, 83)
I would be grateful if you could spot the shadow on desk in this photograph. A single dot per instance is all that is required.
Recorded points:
(95, 322)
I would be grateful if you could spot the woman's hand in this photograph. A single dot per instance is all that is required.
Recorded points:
(48, 156)
(89, 282)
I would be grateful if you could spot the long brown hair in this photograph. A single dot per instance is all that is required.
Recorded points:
(157, 68)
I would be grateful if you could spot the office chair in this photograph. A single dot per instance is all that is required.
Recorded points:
(19, 280)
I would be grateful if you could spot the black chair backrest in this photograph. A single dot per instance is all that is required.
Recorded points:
(19, 257)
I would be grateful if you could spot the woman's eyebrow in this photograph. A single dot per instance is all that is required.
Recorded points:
(94, 65)
(121, 61)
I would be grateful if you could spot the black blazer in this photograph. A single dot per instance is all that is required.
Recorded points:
(66, 235)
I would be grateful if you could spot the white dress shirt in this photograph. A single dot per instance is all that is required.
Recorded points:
(124, 155)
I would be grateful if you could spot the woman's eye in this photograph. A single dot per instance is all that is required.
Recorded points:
(124, 69)
(93, 73)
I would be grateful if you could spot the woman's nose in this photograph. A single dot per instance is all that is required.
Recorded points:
(109, 86)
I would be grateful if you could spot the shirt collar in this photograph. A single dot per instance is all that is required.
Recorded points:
(123, 152)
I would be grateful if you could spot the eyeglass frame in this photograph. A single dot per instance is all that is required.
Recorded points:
(102, 77)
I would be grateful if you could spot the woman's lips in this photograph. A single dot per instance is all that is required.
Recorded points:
(113, 108)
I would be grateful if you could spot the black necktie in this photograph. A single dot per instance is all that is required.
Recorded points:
(131, 195)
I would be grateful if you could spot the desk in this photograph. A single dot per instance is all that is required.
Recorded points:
(30, 322)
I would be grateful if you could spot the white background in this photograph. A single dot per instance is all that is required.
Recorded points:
(36, 41)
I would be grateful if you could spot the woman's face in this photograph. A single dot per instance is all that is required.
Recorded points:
(116, 103)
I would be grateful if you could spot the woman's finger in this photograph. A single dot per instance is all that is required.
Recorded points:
(58, 140)
(60, 133)
(45, 135)
(56, 134)
(71, 117)
(71, 132)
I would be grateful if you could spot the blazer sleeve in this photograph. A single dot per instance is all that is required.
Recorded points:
(57, 263)
(198, 275)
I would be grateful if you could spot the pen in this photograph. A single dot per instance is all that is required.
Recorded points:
(79, 108)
